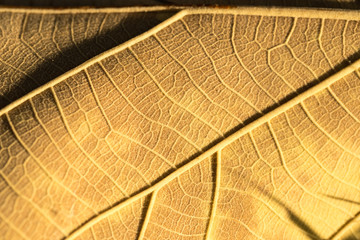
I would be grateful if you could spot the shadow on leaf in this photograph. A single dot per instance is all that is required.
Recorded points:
(348, 4)
(342, 199)
(354, 235)
(51, 66)
(294, 218)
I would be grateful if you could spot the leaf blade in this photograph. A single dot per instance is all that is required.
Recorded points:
(79, 104)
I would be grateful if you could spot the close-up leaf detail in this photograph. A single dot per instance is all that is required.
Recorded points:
(344, 4)
(38, 46)
(203, 123)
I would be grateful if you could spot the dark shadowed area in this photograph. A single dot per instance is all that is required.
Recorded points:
(120, 3)
(37, 48)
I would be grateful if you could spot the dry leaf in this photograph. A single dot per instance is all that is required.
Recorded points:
(216, 124)
(354, 4)
(39, 45)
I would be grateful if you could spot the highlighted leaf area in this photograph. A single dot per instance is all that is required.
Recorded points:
(214, 124)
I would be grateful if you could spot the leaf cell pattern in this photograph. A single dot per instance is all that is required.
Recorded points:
(215, 124)
(40, 45)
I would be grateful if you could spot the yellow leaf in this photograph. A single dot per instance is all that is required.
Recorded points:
(217, 124)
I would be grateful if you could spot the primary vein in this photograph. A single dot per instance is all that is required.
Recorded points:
(226, 141)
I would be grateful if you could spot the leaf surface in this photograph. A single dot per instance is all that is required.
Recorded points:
(40, 45)
(354, 4)
(215, 124)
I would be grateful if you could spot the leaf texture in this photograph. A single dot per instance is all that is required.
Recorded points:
(354, 4)
(39, 45)
(215, 124)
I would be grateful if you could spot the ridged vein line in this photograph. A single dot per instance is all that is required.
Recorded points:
(231, 138)
(148, 215)
(216, 196)
(37, 162)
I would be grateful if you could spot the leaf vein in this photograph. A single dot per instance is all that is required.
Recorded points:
(67, 127)
(216, 71)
